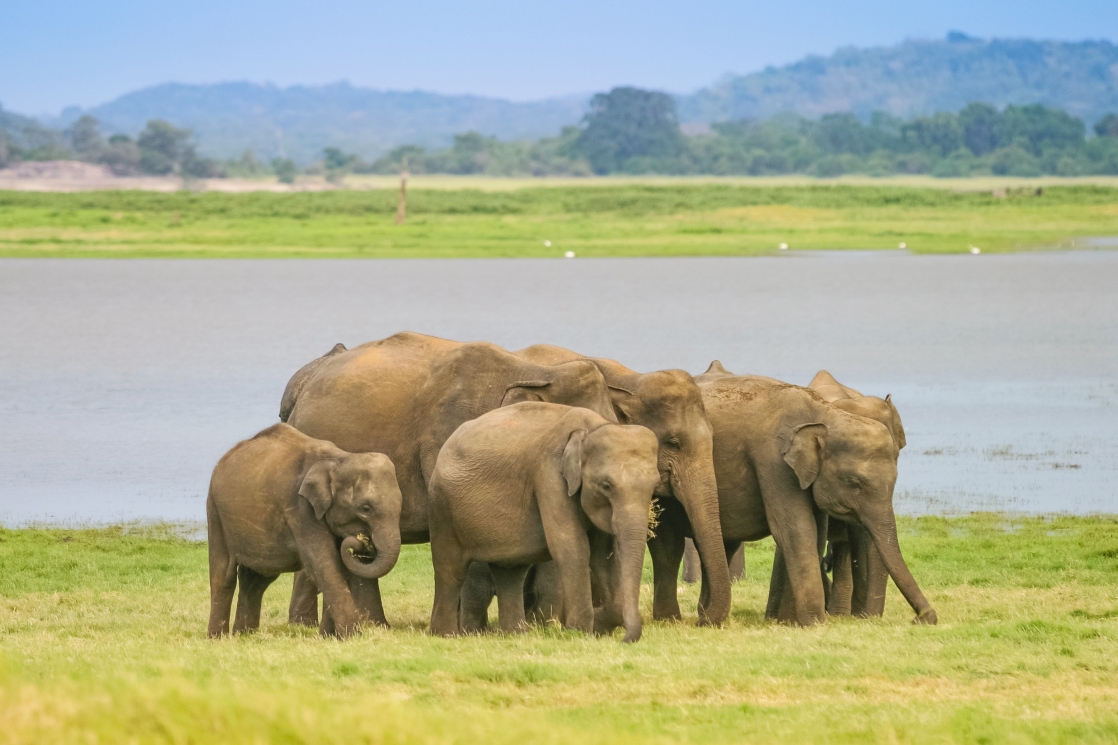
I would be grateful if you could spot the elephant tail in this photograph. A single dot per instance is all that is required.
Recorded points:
(299, 381)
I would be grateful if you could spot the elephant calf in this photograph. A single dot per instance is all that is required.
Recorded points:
(537, 481)
(283, 501)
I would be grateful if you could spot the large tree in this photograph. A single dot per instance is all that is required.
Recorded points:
(85, 138)
(629, 123)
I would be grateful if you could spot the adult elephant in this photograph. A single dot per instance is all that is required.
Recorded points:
(404, 396)
(669, 403)
(786, 461)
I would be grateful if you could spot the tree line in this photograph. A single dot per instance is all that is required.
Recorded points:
(160, 149)
(634, 131)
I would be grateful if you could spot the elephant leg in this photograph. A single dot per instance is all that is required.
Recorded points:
(366, 596)
(822, 522)
(573, 562)
(870, 578)
(692, 566)
(545, 593)
(842, 584)
(732, 548)
(252, 584)
(778, 586)
(510, 597)
(303, 610)
(667, 549)
(451, 566)
(797, 534)
(477, 594)
(223, 577)
(604, 576)
(737, 560)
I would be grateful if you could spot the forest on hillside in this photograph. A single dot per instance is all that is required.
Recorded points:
(634, 131)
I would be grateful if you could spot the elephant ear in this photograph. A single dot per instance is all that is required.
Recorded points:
(805, 452)
(524, 390)
(625, 404)
(897, 429)
(572, 461)
(318, 486)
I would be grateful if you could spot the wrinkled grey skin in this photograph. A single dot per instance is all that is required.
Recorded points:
(859, 575)
(786, 461)
(668, 403)
(405, 395)
(533, 482)
(284, 502)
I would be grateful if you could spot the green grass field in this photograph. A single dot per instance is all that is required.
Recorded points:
(615, 218)
(102, 639)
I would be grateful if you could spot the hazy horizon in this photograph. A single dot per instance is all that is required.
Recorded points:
(496, 50)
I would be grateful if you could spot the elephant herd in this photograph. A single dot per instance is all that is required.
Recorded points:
(539, 476)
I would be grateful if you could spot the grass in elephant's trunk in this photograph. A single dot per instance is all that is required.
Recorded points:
(102, 635)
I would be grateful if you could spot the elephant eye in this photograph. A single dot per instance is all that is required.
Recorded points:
(673, 442)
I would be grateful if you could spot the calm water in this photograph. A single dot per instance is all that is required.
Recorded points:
(122, 382)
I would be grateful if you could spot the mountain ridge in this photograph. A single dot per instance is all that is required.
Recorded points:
(915, 77)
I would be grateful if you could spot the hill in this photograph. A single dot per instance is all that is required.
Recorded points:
(300, 121)
(914, 78)
(922, 77)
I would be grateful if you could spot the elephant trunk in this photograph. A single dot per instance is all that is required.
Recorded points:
(695, 488)
(883, 528)
(630, 534)
(387, 545)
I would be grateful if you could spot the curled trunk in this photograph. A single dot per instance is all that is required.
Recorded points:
(387, 552)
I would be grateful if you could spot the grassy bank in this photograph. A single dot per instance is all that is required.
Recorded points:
(102, 639)
(622, 219)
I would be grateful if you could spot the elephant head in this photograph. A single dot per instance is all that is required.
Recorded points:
(849, 463)
(614, 470)
(669, 403)
(479, 377)
(871, 407)
(575, 383)
(358, 498)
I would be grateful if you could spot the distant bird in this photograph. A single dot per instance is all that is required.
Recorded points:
(975, 250)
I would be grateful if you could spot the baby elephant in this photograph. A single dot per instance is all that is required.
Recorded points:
(282, 502)
(537, 481)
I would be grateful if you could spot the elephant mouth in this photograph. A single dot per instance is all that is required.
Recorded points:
(366, 553)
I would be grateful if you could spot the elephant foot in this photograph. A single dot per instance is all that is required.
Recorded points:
(926, 617)
(303, 619)
(632, 636)
(605, 621)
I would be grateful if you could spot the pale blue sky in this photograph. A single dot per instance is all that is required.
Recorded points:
(55, 53)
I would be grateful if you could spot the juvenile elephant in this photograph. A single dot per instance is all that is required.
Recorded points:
(531, 483)
(859, 575)
(284, 502)
(669, 403)
(786, 460)
(404, 396)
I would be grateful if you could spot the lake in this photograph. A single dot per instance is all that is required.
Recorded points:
(122, 382)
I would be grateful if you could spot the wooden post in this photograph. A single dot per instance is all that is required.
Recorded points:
(402, 205)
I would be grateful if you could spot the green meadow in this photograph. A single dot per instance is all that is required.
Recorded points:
(102, 639)
(656, 217)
